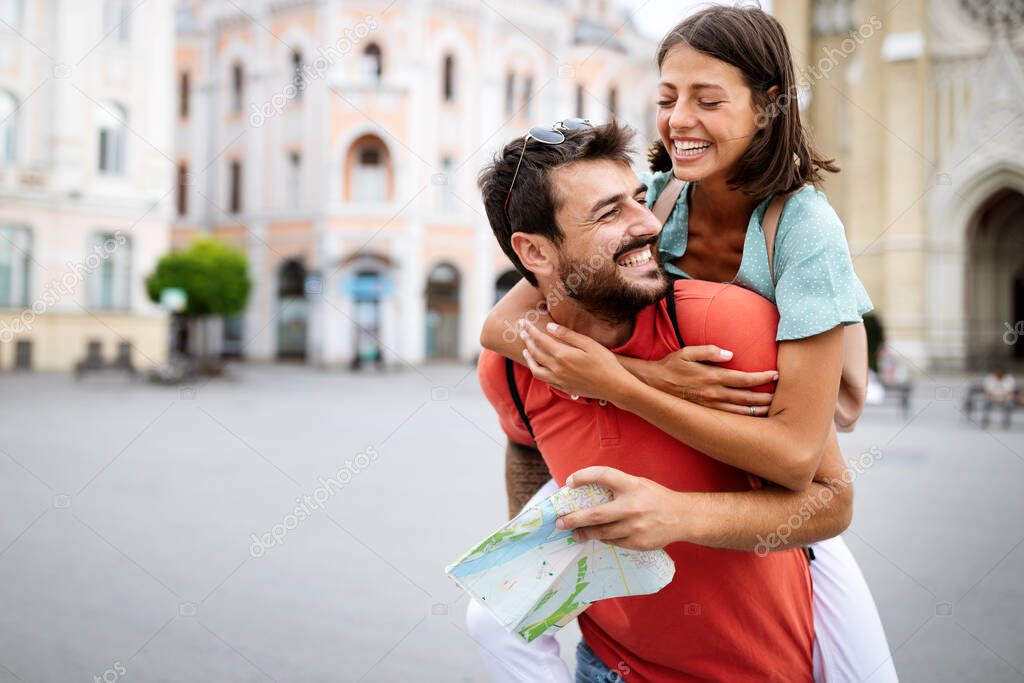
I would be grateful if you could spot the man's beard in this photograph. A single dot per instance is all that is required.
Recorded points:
(603, 292)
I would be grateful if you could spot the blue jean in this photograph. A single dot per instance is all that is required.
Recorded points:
(590, 669)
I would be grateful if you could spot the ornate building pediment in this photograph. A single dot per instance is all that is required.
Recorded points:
(993, 134)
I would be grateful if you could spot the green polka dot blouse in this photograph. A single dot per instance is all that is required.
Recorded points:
(815, 287)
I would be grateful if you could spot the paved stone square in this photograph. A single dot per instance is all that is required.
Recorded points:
(290, 524)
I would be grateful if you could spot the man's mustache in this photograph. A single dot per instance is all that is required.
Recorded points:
(634, 244)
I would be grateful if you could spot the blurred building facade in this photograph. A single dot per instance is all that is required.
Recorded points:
(922, 103)
(85, 177)
(338, 144)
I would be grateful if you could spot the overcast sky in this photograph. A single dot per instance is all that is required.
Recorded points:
(656, 17)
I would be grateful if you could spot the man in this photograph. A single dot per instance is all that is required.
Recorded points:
(728, 615)
(1001, 393)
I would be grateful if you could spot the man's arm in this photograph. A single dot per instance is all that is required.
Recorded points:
(525, 473)
(775, 518)
(785, 447)
(645, 515)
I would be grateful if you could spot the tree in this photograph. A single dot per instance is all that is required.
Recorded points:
(213, 274)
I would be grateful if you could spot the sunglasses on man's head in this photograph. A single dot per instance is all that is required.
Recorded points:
(550, 135)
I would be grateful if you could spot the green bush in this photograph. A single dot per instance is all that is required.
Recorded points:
(213, 275)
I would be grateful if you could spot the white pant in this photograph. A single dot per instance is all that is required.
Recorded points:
(850, 645)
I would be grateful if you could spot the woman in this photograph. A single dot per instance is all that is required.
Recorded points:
(730, 127)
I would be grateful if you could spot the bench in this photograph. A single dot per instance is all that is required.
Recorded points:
(94, 361)
(974, 400)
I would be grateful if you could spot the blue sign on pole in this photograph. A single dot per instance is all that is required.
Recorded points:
(368, 286)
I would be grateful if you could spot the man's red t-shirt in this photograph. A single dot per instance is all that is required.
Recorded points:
(727, 615)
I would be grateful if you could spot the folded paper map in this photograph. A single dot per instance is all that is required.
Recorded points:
(535, 578)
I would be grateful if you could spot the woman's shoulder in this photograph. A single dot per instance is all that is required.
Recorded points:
(809, 214)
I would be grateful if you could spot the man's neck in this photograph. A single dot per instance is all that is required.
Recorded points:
(569, 312)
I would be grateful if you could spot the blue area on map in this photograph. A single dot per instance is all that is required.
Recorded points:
(545, 533)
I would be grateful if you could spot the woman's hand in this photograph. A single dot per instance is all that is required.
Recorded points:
(573, 362)
(642, 515)
(685, 373)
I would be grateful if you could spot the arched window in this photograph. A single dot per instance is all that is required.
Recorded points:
(298, 84)
(292, 310)
(237, 87)
(8, 128)
(449, 78)
(443, 323)
(291, 279)
(368, 166)
(113, 123)
(373, 63)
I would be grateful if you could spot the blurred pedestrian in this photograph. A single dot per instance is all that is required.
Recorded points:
(1000, 392)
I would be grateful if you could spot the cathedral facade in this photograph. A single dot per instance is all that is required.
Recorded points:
(922, 103)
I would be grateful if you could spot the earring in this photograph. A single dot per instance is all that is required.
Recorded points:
(796, 159)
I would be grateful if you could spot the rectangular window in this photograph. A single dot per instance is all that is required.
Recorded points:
(184, 95)
(298, 84)
(449, 78)
(15, 259)
(235, 187)
(527, 96)
(111, 151)
(104, 150)
(446, 198)
(182, 189)
(109, 284)
(237, 87)
(510, 94)
(579, 102)
(294, 181)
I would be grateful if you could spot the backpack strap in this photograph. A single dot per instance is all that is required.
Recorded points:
(666, 201)
(770, 226)
(662, 208)
(513, 388)
(673, 313)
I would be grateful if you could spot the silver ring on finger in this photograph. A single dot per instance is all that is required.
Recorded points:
(753, 411)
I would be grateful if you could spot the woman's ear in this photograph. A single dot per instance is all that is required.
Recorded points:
(772, 108)
(536, 252)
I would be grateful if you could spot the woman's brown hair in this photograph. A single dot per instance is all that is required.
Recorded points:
(781, 156)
